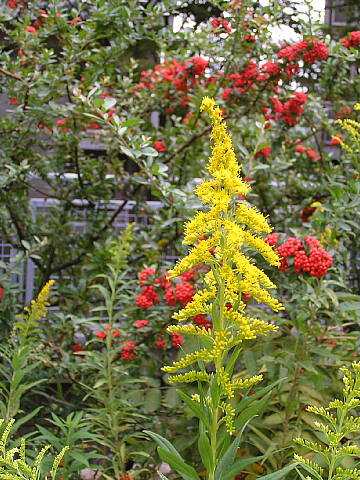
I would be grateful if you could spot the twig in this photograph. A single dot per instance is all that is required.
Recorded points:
(53, 399)
(188, 143)
(13, 75)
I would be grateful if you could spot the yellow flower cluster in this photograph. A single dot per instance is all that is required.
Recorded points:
(352, 127)
(37, 308)
(218, 236)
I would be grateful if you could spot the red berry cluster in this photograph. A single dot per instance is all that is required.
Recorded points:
(242, 82)
(308, 50)
(265, 152)
(160, 146)
(178, 79)
(77, 347)
(13, 3)
(288, 111)
(202, 321)
(184, 292)
(128, 348)
(352, 40)
(141, 323)
(310, 258)
(290, 247)
(272, 239)
(176, 340)
(336, 139)
(154, 286)
(180, 75)
(147, 297)
(115, 333)
(308, 151)
(127, 352)
(221, 25)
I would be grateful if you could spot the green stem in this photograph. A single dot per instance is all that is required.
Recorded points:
(293, 392)
(341, 417)
(215, 410)
(109, 371)
(213, 440)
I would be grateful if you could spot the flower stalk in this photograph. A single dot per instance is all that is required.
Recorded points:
(220, 237)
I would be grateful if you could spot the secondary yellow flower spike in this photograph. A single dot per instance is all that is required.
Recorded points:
(38, 307)
(219, 236)
(352, 127)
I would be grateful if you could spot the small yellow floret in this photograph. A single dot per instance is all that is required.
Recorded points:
(37, 308)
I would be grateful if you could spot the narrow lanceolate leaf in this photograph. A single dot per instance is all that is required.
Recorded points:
(250, 412)
(195, 407)
(259, 394)
(186, 471)
(227, 460)
(240, 465)
(205, 451)
(280, 474)
(163, 443)
(162, 476)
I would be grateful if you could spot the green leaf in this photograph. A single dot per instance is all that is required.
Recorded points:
(251, 398)
(300, 474)
(49, 437)
(280, 473)
(187, 471)
(232, 360)
(132, 122)
(162, 476)
(349, 306)
(250, 362)
(250, 412)
(152, 400)
(82, 459)
(98, 102)
(311, 470)
(129, 153)
(227, 460)
(163, 443)
(24, 419)
(150, 152)
(205, 451)
(195, 407)
(240, 464)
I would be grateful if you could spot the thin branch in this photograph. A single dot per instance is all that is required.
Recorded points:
(188, 143)
(94, 238)
(13, 75)
(53, 399)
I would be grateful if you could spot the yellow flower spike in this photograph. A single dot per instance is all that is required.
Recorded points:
(216, 237)
(190, 377)
(223, 341)
(352, 127)
(37, 308)
(189, 330)
(225, 382)
(202, 355)
(228, 418)
(251, 216)
(199, 254)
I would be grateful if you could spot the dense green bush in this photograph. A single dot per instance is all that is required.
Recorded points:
(101, 103)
